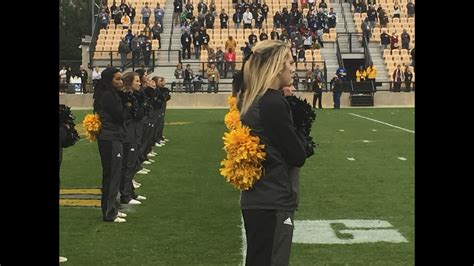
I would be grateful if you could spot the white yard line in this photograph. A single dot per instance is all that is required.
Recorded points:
(384, 123)
(244, 241)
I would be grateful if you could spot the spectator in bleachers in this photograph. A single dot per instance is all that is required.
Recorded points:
(396, 10)
(159, 14)
(405, 40)
(156, 31)
(263, 36)
(103, 19)
(371, 72)
(301, 55)
(384, 39)
(259, 19)
(297, 39)
(220, 60)
(147, 31)
(179, 75)
(96, 76)
(83, 75)
(394, 41)
(123, 49)
(178, 9)
(146, 13)
(372, 16)
(294, 52)
(318, 74)
(247, 19)
(188, 76)
(363, 6)
(202, 7)
(189, 7)
(265, 10)
(223, 18)
(114, 10)
(105, 8)
(68, 74)
(239, 8)
(132, 13)
(252, 39)
(147, 50)
(311, 5)
(285, 19)
(284, 35)
(230, 44)
(383, 18)
(254, 7)
(186, 44)
(230, 62)
(205, 40)
(118, 18)
(277, 20)
(319, 37)
(129, 37)
(410, 9)
(246, 49)
(307, 40)
(366, 29)
(211, 57)
(408, 78)
(136, 47)
(237, 19)
(124, 7)
(294, 4)
(274, 35)
(210, 19)
(62, 75)
(412, 53)
(397, 78)
(332, 18)
(323, 4)
(197, 42)
(304, 4)
(213, 78)
(212, 7)
(296, 80)
(361, 74)
(125, 20)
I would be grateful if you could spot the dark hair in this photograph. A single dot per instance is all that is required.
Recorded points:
(141, 72)
(104, 85)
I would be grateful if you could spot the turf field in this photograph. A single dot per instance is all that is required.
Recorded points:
(362, 170)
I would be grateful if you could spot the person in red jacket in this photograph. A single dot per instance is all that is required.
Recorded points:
(229, 58)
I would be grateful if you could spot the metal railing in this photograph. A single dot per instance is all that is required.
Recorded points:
(301, 86)
(344, 16)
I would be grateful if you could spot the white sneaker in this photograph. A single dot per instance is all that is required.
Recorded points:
(136, 183)
(154, 153)
(166, 140)
(119, 220)
(147, 170)
(135, 186)
(162, 142)
(151, 154)
(121, 215)
(141, 197)
(146, 162)
(151, 160)
(159, 144)
(134, 202)
(142, 172)
(62, 259)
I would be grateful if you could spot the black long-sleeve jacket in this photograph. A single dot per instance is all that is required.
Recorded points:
(270, 119)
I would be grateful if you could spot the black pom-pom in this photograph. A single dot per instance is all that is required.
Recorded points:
(303, 118)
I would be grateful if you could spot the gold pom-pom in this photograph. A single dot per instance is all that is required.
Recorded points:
(92, 125)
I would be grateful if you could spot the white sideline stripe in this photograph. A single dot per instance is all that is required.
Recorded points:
(244, 238)
(387, 124)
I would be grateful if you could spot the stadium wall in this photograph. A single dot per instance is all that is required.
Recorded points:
(204, 100)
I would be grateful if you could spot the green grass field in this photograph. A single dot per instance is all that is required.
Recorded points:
(192, 216)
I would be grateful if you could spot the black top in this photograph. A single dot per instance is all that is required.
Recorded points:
(271, 120)
(112, 116)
